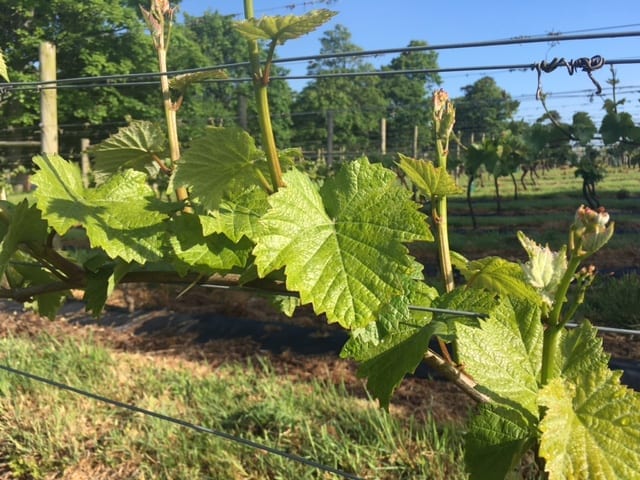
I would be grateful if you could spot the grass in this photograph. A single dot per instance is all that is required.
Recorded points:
(46, 432)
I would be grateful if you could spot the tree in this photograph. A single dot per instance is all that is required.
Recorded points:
(409, 98)
(95, 37)
(353, 105)
(485, 109)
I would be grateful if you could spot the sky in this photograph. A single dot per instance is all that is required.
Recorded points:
(393, 24)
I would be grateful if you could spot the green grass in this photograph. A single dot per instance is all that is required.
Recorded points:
(45, 431)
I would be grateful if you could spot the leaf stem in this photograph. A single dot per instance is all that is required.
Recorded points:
(260, 86)
(555, 322)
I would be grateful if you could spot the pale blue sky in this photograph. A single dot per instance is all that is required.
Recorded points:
(390, 24)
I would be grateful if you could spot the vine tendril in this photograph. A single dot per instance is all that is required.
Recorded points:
(585, 64)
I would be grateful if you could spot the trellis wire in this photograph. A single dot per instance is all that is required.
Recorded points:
(363, 53)
(182, 423)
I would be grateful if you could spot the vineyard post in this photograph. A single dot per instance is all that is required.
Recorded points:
(48, 99)
(383, 136)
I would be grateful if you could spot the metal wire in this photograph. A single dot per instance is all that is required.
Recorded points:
(306, 58)
(182, 423)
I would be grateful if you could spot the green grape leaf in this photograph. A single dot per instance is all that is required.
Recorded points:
(496, 439)
(26, 226)
(581, 351)
(500, 276)
(385, 361)
(223, 161)
(101, 283)
(591, 427)
(279, 29)
(120, 216)
(205, 254)
(239, 217)
(342, 245)
(432, 181)
(545, 268)
(25, 273)
(184, 81)
(135, 146)
(3, 68)
(504, 354)
(465, 300)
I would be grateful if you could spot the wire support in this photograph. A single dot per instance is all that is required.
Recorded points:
(182, 423)
(308, 58)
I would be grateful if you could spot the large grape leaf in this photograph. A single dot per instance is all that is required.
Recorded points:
(501, 276)
(220, 162)
(591, 427)
(341, 245)
(432, 181)
(386, 362)
(26, 226)
(120, 216)
(504, 354)
(497, 437)
(205, 254)
(134, 146)
(282, 28)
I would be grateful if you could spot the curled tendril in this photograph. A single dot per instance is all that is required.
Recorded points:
(585, 64)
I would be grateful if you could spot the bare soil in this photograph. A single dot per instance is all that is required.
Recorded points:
(213, 328)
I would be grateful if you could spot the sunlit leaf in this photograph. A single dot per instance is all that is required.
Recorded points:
(504, 354)
(121, 216)
(238, 217)
(499, 275)
(134, 146)
(591, 427)
(545, 268)
(432, 181)
(222, 162)
(282, 28)
(342, 244)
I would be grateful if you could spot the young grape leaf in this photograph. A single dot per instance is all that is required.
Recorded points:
(341, 245)
(279, 29)
(184, 81)
(120, 216)
(205, 254)
(239, 217)
(545, 268)
(581, 351)
(591, 427)
(497, 437)
(26, 226)
(134, 146)
(223, 161)
(501, 276)
(504, 354)
(432, 181)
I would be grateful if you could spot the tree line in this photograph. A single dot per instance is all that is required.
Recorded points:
(108, 37)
